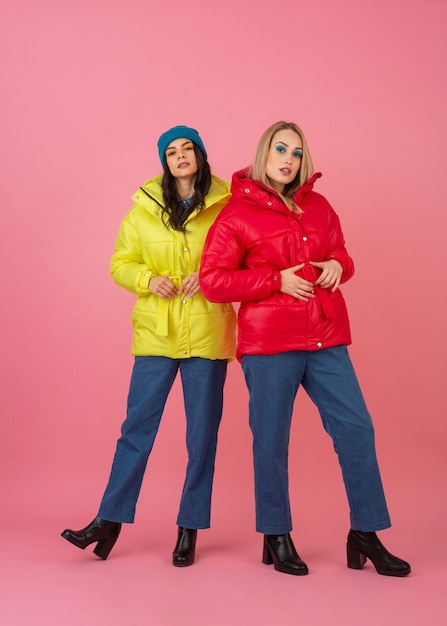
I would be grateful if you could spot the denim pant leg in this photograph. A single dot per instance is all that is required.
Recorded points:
(152, 379)
(273, 383)
(331, 383)
(203, 381)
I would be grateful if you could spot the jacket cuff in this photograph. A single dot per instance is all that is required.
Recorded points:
(341, 259)
(276, 281)
(143, 286)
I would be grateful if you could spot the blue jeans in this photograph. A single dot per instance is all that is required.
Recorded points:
(329, 379)
(151, 382)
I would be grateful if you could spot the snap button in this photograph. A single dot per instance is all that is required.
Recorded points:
(319, 344)
(304, 238)
(247, 190)
(269, 203)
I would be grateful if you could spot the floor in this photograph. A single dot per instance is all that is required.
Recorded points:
(46, 580)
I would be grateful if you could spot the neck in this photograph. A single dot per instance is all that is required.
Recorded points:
(185, 187)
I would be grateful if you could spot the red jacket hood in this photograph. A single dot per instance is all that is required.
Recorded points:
(241, 181)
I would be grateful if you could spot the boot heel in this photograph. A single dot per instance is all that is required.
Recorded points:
(104, 547)
(266, 554)
(356, 560)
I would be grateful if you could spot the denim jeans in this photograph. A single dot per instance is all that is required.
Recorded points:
(151, 382)
(329, 379)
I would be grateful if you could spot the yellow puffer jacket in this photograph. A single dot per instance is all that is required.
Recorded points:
(145, 247)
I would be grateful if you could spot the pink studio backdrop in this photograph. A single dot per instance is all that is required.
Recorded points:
(88, 86)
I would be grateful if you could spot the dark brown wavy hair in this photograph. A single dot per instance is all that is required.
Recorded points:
(174, 215)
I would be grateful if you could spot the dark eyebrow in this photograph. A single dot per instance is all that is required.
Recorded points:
(183, 144)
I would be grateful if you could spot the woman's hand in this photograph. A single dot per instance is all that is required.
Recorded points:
(296, 286)
(190, 286)
(331, 272)
(163, 287)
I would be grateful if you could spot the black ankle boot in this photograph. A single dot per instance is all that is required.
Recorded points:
(184, 551)
(100, 530)
(279, 550)
(361, 546)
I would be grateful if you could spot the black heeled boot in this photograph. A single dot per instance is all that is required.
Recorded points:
(184, 551)
(100, 530)
(279, 550)
(361, 546)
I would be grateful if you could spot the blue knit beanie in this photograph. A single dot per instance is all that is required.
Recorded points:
(176, 133)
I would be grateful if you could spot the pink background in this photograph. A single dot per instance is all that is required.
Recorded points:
(87, 87)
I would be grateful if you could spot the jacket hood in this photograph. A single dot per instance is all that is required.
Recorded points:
(152, 192)
(241, 181)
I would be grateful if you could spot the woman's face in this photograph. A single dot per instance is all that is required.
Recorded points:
(284, 158)
(181, 158)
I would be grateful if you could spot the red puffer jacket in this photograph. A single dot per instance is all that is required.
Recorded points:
(252, 240)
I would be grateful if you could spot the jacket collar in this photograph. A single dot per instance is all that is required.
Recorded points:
(151, 192)
(242, 184)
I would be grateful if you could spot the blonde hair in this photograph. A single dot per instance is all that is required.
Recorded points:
(259, 167)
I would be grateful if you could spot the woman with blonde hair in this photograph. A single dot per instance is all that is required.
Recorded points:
(278, 249)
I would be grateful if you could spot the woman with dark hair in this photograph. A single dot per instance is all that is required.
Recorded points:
(157, 256)
(278, 248)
